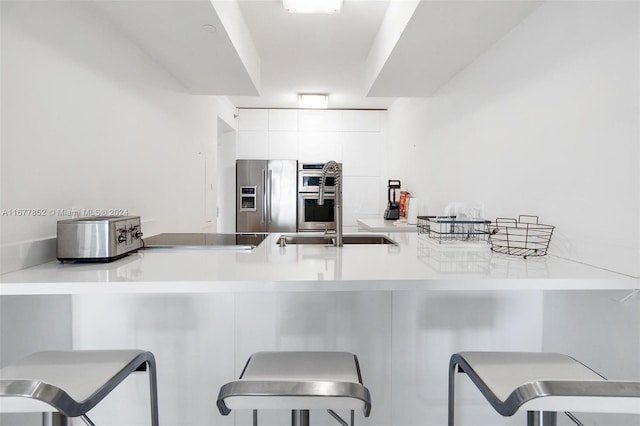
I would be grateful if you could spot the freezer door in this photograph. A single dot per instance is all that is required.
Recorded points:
(251, 199)
(282, 196)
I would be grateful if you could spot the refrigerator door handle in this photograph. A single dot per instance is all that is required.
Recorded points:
(264, 196)
(270, 179)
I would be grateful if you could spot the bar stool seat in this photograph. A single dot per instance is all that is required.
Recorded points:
(72, 382)
(297, 381)
(541, 383)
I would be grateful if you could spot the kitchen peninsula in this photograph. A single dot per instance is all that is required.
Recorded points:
(402, 308)
(415, 263)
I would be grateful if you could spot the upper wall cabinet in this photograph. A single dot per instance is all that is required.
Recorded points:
(283, 145)
(311, 120)
(252, 145)
(355, 137)
(253, 120)
(283, 120)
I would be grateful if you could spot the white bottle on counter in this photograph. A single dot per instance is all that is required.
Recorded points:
(412, 211)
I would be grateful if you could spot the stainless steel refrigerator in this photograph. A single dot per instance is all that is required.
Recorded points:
(266, 195)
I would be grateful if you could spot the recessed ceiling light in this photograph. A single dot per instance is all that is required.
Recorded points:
(315, 100)
(312, 6)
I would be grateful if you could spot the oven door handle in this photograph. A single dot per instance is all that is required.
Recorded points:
(264, 196)
(269, 181)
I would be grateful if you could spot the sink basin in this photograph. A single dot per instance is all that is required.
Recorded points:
(367, 239)
(329, 239)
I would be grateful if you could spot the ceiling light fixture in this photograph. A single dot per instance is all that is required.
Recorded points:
(312, 6)
(306, 100)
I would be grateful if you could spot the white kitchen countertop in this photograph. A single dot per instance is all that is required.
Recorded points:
(417, 263)
(381, 225)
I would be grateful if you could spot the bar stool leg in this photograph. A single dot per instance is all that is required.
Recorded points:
(341, 420)
(153, 391)
(87, 420)
(54, 419)
(452, 394)
(542, 418)
(299, 417)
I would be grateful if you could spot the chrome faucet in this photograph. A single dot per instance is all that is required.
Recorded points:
(337, 203)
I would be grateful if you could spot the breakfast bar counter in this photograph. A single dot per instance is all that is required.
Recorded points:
(403, 308)
(415, 263)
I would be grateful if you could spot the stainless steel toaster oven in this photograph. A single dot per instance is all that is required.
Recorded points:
(98, 238)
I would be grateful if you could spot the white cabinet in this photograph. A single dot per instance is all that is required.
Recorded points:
(355, 138)
(252, 145)
(253, 120)
(253, 134)
(320, 120)
(283, 134)
(283, 120)
(283, 146)
(320, 146)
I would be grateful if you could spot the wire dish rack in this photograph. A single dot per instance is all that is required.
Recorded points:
(449, 228)
(523, 237)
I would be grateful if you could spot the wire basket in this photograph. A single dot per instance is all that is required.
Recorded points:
(448, 228)
(522, 237)
(451, 260)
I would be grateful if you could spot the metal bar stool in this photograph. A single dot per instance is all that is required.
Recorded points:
(70, 383)
(542, 384)
(298, 381)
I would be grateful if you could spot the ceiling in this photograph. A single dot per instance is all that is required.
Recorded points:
(303, 53)
(261, 56)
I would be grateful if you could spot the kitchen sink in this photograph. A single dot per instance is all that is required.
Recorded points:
(329, 239)
(367, 239)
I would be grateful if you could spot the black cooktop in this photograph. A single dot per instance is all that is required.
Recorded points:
(243, 241)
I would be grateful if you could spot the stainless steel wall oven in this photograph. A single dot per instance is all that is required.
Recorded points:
(311, 216)
(309, 178)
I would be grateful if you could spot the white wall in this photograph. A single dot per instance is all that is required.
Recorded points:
(226, 169)
(546, 123)
(89, 121)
